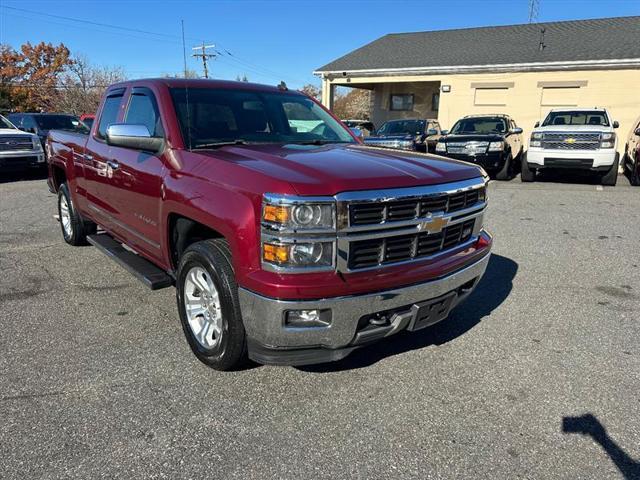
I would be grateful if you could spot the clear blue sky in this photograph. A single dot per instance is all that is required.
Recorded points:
(267, 40)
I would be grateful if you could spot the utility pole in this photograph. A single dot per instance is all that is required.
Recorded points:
(534, 9)
(204, 56)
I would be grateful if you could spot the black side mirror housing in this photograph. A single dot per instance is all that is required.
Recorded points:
(637, 131)
(536, 125)
(615, 124)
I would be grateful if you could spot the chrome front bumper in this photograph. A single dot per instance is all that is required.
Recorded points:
(264, 318)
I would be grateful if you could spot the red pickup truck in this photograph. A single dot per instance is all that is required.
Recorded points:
(288, 240)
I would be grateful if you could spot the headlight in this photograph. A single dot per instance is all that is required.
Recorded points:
(298, 233)
(441, 147)
(36, 143)
(496, 146)
(298, 255)
(608, 140)
(536, 139)
(536, 136)
(292, 214)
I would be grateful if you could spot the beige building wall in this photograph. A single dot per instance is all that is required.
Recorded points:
(525, 96)
(422, 101)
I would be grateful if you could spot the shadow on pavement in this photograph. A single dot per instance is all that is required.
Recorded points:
(589, 425)
(29, 174)
(493, 289)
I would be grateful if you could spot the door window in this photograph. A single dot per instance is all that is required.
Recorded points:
(144, 111)
(109, 114)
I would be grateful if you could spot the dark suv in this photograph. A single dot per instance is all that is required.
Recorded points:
(492, 141)
(41, 123)
(407, 134)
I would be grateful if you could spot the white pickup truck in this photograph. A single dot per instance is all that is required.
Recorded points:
(575, 138)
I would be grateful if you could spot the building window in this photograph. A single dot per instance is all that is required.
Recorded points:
(401, 102)
(491, 96)
(560, 96)
(435, 102)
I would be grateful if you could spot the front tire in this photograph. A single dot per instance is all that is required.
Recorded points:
(505, 171)
(74, 228)
(634, 174)
(207, 296)
(526, 174)
(611, 177)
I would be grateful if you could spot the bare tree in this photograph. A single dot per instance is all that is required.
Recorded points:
(187, 74)
(354, 104)
(311, 90)
(83, 85)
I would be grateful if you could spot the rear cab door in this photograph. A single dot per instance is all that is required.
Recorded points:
(96, 157)
(134, 179)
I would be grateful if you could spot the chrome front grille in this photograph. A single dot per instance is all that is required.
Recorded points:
(400, 248)
(387, 227)
(468, 148)
(571, 141)
(15, 143)
(371, 213)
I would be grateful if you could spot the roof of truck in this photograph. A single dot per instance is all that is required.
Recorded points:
(203, 83)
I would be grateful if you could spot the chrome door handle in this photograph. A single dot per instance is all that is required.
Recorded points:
(113, 164)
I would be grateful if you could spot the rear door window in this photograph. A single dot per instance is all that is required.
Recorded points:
(109, 114)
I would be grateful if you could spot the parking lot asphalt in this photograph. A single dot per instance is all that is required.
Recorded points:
(537, 375)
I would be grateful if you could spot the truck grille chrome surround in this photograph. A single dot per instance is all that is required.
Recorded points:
(15, 143)
(389, 227)
(571, 141)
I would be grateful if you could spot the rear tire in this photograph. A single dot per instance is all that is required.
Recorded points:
(207, 296)
(611, 177)
(505, 171)
(74, 228)
(526, 174)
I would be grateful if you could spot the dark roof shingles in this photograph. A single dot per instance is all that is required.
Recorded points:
(597, 39)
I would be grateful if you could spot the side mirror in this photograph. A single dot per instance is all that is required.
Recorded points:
(615, 124)
(515, 130)
(134, 136)
(445, 132)
(536, 125)
(357, 132)
(637, 131)
(432, 131)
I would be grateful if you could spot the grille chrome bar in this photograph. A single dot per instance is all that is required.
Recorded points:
(401, 221)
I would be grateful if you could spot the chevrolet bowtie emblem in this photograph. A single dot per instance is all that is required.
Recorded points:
(570, 140)
(433, 225)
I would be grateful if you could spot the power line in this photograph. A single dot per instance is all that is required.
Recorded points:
(534, 10)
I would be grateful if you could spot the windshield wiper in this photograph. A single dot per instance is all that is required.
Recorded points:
(220, 144)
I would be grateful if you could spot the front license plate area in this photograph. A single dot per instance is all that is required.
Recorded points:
(431, 312)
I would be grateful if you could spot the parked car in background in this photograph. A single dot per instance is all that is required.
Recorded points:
(87, 119)
(292, 247)
(631, 157)
(41, 123)
(492, 141)
(408, 134)
(18, 150)
(575, 139)
(365, 126)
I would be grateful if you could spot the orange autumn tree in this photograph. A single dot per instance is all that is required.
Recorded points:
(29, 79)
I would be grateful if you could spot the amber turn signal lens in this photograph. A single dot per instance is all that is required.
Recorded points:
(275, 213)
(275, 253)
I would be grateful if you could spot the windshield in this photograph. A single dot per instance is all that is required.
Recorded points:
(402, 127)
(59, 122)
(479, 125)
(595, 117)
(4, 123)
(227, 116)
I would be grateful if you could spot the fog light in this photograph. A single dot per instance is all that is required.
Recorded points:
(308, 318)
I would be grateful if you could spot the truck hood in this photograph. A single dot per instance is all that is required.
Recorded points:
(14, 132)
(574, 128)
(493, 137)
(331, 169)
